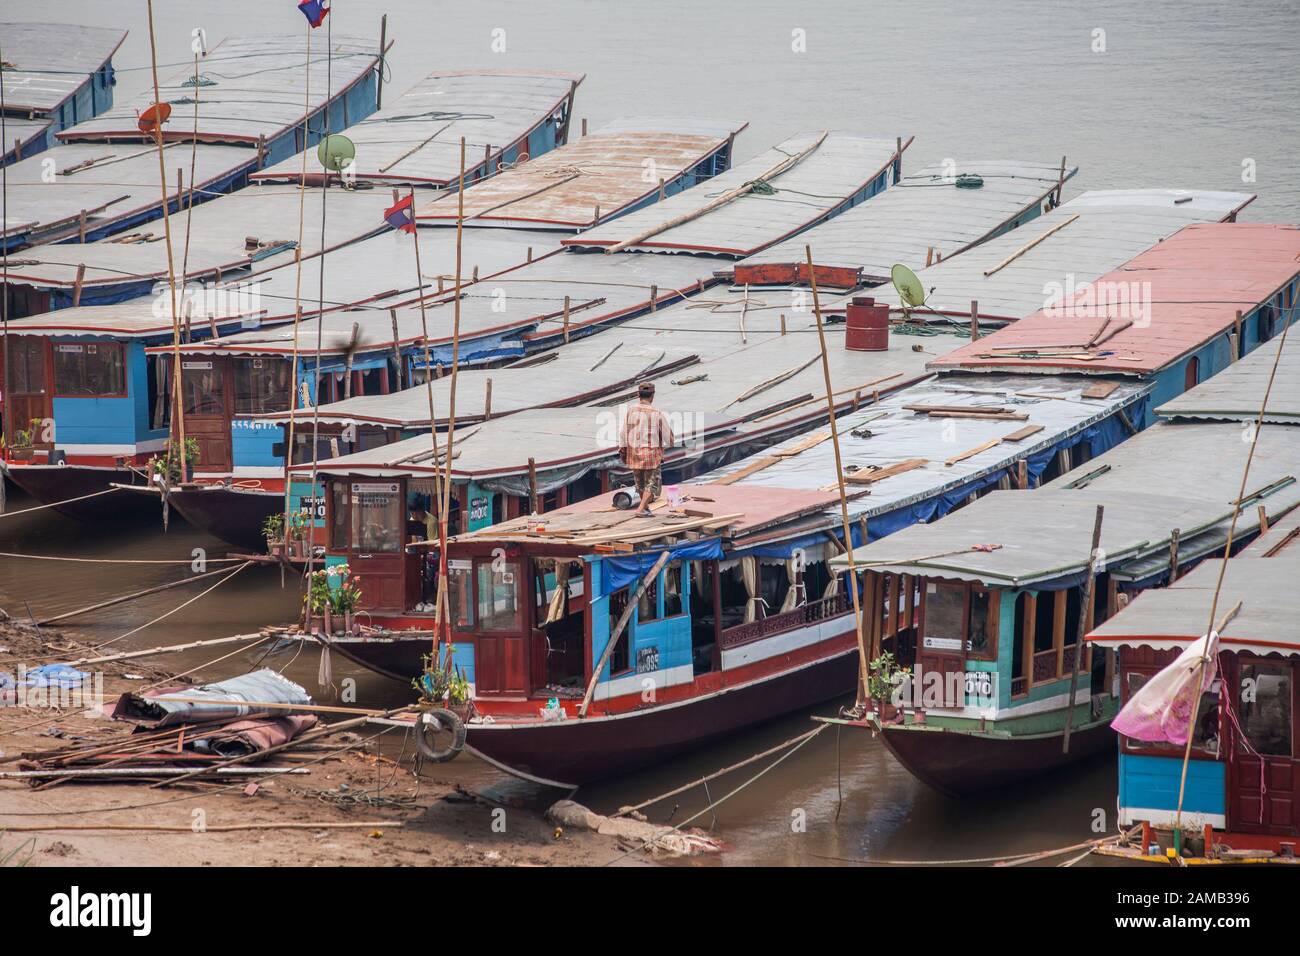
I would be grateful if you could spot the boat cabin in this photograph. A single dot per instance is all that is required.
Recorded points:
(1243, 776)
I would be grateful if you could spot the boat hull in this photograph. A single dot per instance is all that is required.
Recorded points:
(233, 516)
(52, 484)
(577, 751)
(961, 762)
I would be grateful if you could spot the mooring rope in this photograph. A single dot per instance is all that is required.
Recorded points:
(55, 504)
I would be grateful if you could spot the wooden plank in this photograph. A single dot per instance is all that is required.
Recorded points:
(869, 476)
(971, 452)
(1020, 434)
(1100, 390)
(931, 409)
(989, 416)
(768, 460)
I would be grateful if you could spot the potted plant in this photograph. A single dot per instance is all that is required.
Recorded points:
(884, 677)
(444, 687)
(298, 532)
(21, 448)
(317, 601)
(167, 469)
(345, 596)
(273, 531)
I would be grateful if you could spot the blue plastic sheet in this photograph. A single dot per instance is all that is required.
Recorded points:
(628, 569)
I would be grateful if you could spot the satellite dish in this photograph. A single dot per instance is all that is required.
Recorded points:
(152, 118)
(908, 286)
(336, 152)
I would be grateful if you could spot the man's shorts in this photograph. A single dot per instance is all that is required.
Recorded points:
(648, 478)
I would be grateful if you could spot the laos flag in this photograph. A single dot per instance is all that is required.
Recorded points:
(399, 215)
(315, 11)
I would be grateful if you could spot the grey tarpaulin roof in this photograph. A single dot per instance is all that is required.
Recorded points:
(142, 316)
(611, 169)
(416, 138)
(262, 686)
(887, 434)
(818, 185)
(51, 61)
(256, 87)
(383, 267)
(1236, 393)
(530, 297)
(1114, 225)
(705, 412)
(1178, 614)
(122, 182)
(1167, 477)
(217, 233)
(924, 210)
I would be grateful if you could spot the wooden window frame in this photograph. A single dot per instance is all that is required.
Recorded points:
(52, 370)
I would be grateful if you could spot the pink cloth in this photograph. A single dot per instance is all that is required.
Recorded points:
(1162, 709)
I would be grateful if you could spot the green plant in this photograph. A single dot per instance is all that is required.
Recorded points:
(345, 596)
(438, 684)
(299, 522)
(883, 675)
(169, 465)
(22, 439)
(318, 592)
(273, 527)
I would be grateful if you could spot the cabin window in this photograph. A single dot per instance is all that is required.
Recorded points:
(1266, 720)
(673, 589)
(647, 608)
(1206, 737)
(261, 386)
(89, 368)
(498, 596)
(982, 626)
(202, 388)
(619, 660)
(945, 608)
(339, 521)
(26, 365)
(376, 518)
(460, 584)
(159, 375)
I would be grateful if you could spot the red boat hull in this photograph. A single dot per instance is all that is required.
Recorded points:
(959, 763)
(577, 751)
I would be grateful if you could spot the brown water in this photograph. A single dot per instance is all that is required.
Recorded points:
(793, 814)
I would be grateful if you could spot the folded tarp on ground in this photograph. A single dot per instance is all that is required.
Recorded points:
(253, 736)
(264, 686)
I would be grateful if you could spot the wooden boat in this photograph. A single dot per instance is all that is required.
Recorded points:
(987, 604)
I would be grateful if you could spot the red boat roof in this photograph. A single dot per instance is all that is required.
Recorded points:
(1157, 307)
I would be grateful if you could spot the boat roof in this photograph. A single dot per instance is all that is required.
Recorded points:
(141, 317)
(561, 439)
(416, 138)
(1159, 306)
(923, 211)
(1113, 226)
(528, 297)
(708, 509)
(217, 232)
(1235, 393)
(249, 86)
(1170, 476)
(605, 170)
(107, 181)
(1174, 616)
(949, 452)
(51, 61)
(828, 169)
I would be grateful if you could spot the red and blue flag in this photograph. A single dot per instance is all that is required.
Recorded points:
(399, 215)
(315, 11)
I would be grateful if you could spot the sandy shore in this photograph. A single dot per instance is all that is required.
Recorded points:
(410, 819)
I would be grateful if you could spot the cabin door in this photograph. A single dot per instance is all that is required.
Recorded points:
(28, 386)
(378, 518)
(206, 394)
(1264, 772)
(940, 676)
(501, 641)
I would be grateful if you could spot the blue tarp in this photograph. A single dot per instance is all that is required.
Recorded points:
(622, 571)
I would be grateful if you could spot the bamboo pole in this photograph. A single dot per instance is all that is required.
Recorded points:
(839, 477)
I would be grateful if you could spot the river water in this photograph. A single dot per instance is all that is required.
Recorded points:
(1192, 94)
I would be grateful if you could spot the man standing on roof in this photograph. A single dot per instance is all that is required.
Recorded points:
(641, 446)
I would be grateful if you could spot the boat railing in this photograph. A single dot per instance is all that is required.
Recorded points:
(801, 616)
